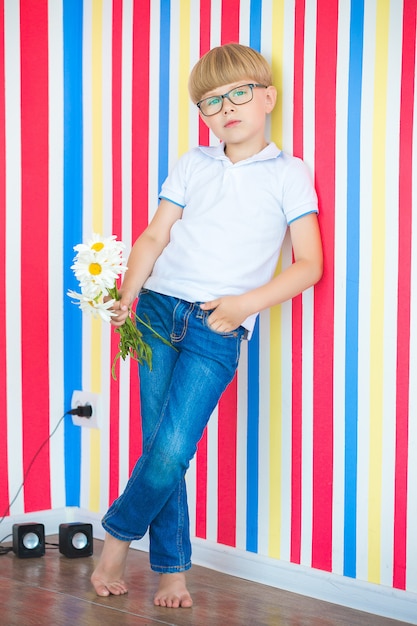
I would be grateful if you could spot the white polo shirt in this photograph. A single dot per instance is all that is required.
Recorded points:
(235, 216)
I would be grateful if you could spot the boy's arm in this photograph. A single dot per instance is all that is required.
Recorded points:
(143, 255)
(230, 311)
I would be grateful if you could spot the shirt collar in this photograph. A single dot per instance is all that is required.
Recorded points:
(271, 151)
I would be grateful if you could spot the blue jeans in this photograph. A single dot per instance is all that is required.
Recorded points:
(177, 398)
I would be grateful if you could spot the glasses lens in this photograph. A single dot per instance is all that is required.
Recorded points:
(241, 95)
(211, 106)
(214, 104)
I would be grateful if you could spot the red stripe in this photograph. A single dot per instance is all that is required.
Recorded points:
(297, 340)
(227, 454)
(34, 249)
(205, 20)
(230, 21)
(298, 127)
(404, 288)
(201, 488)
(135, 423)
(116, 230)
(4, 487)
(201, 458)
(296, 434)
(325, 132)
(140, 117)
(227, 410)
(140, 174)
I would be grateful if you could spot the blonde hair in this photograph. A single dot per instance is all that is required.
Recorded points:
(227, 64)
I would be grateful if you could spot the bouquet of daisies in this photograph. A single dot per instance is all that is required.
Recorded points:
(98, 264)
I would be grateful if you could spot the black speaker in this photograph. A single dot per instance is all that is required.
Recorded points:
(28, 540)
(76, 539)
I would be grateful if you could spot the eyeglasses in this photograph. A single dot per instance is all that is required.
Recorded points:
(237, 95)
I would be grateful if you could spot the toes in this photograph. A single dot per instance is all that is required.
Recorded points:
(101, 590)
(105, 589)
(173, 602)
(117, 588)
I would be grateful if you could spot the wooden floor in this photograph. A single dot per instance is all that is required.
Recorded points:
(54, 590)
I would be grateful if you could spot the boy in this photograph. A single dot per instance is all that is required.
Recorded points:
(204, 268)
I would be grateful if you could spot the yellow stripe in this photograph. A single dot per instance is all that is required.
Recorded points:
(377, 291)
(97, 113)
(275, 421)
(184, 61)
(277, 65)
(97, 216)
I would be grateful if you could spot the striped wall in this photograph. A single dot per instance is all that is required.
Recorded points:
(309, 457)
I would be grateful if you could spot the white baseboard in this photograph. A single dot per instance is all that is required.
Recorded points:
(349, 592)
(51, 520)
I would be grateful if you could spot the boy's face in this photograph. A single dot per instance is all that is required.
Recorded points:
(241, 123)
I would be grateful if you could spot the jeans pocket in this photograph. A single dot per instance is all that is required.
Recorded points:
(229, 333)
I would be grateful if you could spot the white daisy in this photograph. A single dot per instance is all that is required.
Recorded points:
(93, 305)
(97, 270)
(97, 243)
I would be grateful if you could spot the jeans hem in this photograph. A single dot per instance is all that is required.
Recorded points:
(170, 569)
(119, 536)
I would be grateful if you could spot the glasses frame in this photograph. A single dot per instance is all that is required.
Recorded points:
(227, 95)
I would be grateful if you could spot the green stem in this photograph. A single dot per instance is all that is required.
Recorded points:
(131, 342)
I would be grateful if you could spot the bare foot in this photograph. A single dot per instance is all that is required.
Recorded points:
(172, 592)
(107, 578)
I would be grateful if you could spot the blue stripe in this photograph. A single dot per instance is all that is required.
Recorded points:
(255, 24)
(73, 210)
(164, 52)
(352, 284)
(252, 445)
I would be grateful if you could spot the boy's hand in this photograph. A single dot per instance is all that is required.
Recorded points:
(227, 314)
(122, 307)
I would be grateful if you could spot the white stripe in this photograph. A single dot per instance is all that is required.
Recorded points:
(244, 22)
(13, 265)
(266, 30)
(212, 476)
(309, 78)
(126, 124)
(107, 87)
(87, 222)
(87, 123)
(266, 51)
(85, 468)
(107, 182)
(241, 456)
(124, 419)
(264, 434)
(191, 482)
(215, 23)
(364, 407)
(287, 69)
(193, 117)
(55, 249)
(286, 414)
(309, 99)
(390, 289)
(175, 97)
(307, 426)
(127, 234)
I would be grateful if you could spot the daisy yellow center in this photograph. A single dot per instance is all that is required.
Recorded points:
(99, 245)
(94, 269)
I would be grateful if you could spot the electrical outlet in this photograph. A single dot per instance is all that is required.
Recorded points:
(81, 398)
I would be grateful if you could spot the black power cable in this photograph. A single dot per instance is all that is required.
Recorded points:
(81, 411)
